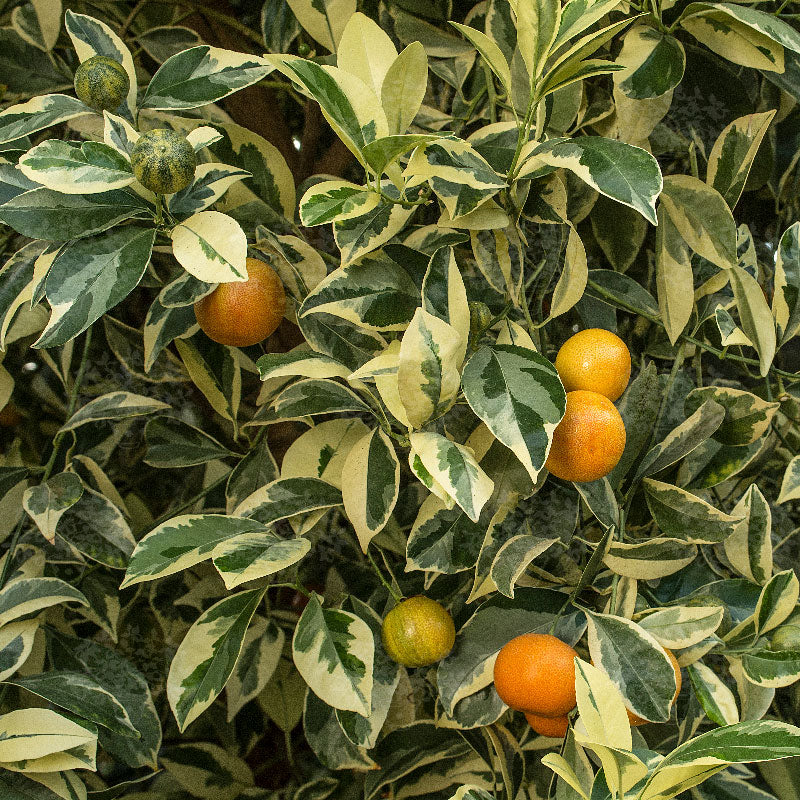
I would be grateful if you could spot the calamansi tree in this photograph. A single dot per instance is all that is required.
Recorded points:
(440, 442)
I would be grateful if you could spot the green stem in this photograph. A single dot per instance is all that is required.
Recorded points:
(489, 78)
(392, 591)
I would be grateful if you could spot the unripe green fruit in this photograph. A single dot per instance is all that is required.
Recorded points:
(787, 637)
(163, 161)
(418, 632)
(303, 49)
(102, 83)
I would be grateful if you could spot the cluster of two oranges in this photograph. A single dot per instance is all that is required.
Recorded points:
(595, 366)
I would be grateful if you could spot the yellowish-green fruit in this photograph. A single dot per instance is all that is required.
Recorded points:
(418, 632)
(163, 161)
(102, 83)
(787, 637)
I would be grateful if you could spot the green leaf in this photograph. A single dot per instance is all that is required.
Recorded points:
(427, 371)
(654, 63)
(327, 739)
(207, 655)
(202, 75)
(172, 443)
(217, 374)
(513, 558)
(685, 516)
(674, 278)
(69, 168)
(113, 406)
(82, 695)
(181, 543)
(733, 153)
(624, 173)
(324, 20)
(404, 87)
(715, 697)
(519, 396)
(490, 52)
(118, 677)
(454, 467)
(90, 276)
(250, 556)
(25, 596)
(38, 113)
(370, 484)
(334, 652)
(385, 151)
(537, 26)
(44, 214)
(636, 664)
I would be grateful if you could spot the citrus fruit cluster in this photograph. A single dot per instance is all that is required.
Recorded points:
(535, 673)
(418, 632)
(101, 83)
(595, 366)
(243, 313)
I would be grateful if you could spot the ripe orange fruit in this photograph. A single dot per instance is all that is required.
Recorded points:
(554, 727)
(535, 673)
(589, 441)
(596, 360)
(418, 632)
(636, 720)
(245, 312)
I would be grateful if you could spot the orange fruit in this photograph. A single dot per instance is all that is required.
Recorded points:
(636, 720)
(589, 441)
(554, 727)
(418, 632)
(245, 312)
(535, 673)
(596, 360)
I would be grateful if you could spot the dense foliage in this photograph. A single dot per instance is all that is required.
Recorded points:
(200, 542)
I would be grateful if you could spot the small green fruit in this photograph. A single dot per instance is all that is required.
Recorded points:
(787, 637)
(163, 161)
(418, 632)
(102, 83)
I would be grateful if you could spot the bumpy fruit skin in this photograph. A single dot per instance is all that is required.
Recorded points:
(636, 720)
(163, 161)
(535, 673)
(101, 83)
(589, 441)
(243, 313)
(787, 637)
(596, 360)
(553, 727)
(418, 632)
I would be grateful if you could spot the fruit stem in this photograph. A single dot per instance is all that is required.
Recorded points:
(392, 591)
(159, 209)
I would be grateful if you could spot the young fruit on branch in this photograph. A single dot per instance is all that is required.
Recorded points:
(418, 632)
(243, 313)
(101, 83)
(163, 161)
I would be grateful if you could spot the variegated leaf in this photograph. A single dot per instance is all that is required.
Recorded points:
(427, 373)
(513, 558)
(678, 627)
(777, 601)
(755, 316)
(172, 443)
(68, 168)
(261, 652)
(366, 51)
(636, 663)
(325, 20)
(715, 697)
(790, 485)
(336, 201)
(113, 406)
(733, 153)
(47, 502)
(454, 468)
(90, 276)
(674, 278)
(786, 298)
(286, 497)
(519, 396)
(747, 416)
(210, 182)
(444, 295)
(499, 255)
(119, 134)
(457, 173)
(685, 516)
(202, 75)
(212, 247)
(207, 655)
(249, 556)
(772, 669)
(654, 63)
(182, 542)
(749, 547)
(16, 644)
(317, 396)
(370, 484)
(25, 596)
(300, 363)
(654, 558)
(38, 113)
(404, 86)
(334, 651)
